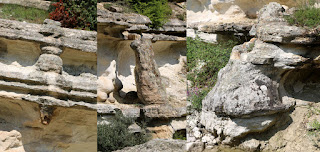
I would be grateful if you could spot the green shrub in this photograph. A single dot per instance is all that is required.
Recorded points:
(21, 13)
(107, 5)
(306, 15)
(157, 10)
(180, 134)
(213, 57)
(116, 135)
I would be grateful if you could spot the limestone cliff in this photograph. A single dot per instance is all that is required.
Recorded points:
(217, 20)
(47, 87)
(264, 94)
(141, 69)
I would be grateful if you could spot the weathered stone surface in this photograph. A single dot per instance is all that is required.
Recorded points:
(37, 95)
(70, 38)
(155, 145)
(147, 76)
(51, 50)
(49, 62)
(135, 22)
(243, 90)
(108, 82)
(260, 82)
(134, 128)
(41, 4)
(11, 141)
(272, 27)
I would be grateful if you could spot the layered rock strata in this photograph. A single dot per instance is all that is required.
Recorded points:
(264, 79)
(217, 20)
(48, 81)
(41, 4)
(158, 90)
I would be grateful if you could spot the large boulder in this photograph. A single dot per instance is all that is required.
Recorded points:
(147, 76)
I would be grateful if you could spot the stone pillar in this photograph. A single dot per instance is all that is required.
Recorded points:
(49, 59)
(147, 76)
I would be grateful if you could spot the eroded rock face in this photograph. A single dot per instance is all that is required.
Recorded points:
(48, 81)
(11, 141)
(260, 83)
(147, 76)
(161, 68)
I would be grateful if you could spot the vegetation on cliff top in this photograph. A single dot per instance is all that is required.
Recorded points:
(158, 11)
(75, 14)
(204, 62)
(21, 13)
(306, 15)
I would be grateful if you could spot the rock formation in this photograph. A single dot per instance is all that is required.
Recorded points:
(217, 20)
(11, 141)
(263, 81)
(41, 4)
(147, 76)
(157, 55)
(47, 82)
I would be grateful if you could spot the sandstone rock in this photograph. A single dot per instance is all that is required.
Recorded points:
(11, 141)
(51, 50)
(41, 4)
(51, 28)
(108, 82)
(49, 62)
(70, 38)
(168, 145)
(178, 124)
(147, 76)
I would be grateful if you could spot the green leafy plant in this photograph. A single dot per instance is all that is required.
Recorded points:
(204, 62)
(305, 15)
(21, 13)
(180, 134)
(157, 10)
(181, 17)
(316, 125)
(116, 135)
(107, 5)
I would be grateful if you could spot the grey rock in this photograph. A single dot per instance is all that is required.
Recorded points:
(51, 50)
(134, 128)
(164, 111)
(63, 37)
(49, 62)
(158, 145)
(147, 76)
(195, 146)
(239, 92)
(272, 27)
